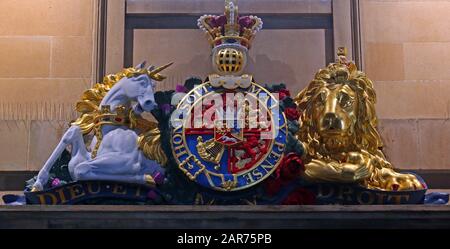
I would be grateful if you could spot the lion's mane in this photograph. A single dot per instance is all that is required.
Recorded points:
(365, 136)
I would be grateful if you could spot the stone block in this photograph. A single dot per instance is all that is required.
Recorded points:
(24, 57)
(384, 61)
(47, 17)
(434, 144)
(72, 57)
(13, 145)
(44, 136)
(401, 142)
(412, 99)
(427, 61)
(400, 21)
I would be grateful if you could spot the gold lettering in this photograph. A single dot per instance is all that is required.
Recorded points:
(91, 190)
(177, 139)
(179, 129)
(76, 191)
(61, 195)
(345, 193)
(380, 197)
(42, 198)
(267, 167)
(398, 198)
(280, 145)
(370, 197)
(179, 151)
(257, 174)
(274, 155)
(119, 189)
(249, 177)
(322, 194)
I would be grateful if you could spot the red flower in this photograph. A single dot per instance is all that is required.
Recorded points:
(300, 196)
(291, 113)
(272, 186)
(283, 93)
(290, 168)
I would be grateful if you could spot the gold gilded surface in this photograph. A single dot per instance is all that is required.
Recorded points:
(339, 130)
(150, 144)
(229, 60)
(210, 150)
(93, 117)
(149, 180)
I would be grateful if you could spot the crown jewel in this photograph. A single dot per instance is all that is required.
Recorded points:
(230, 28)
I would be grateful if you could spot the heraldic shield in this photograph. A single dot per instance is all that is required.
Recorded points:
(233, 151)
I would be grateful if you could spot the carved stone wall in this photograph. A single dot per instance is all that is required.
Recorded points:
(406, 46)
(46, 62)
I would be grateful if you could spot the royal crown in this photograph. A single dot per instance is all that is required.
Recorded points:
(230, 28)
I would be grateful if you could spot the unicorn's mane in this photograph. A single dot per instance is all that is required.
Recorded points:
(89, 105)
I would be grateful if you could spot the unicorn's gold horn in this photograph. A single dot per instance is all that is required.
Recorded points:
(159, 69)
(154, 74)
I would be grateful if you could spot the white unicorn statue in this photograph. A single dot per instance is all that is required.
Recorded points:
(126, 147)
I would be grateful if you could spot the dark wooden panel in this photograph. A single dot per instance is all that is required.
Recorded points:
(101, 39)
(228, 217)
(14, 180)
(435, 178)
(128, 48)
(189, 21)
(329, 46)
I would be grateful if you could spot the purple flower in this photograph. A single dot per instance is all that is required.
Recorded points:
(245, 21)
(56, 182)
(180, 89)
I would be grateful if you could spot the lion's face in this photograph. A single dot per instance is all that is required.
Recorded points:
(338, 111)
(334, 110)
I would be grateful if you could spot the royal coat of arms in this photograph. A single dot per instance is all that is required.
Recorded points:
(226, 139)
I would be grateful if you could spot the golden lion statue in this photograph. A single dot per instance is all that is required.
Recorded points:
(338, 130)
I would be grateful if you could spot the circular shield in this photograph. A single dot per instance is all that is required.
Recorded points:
(228, 139)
